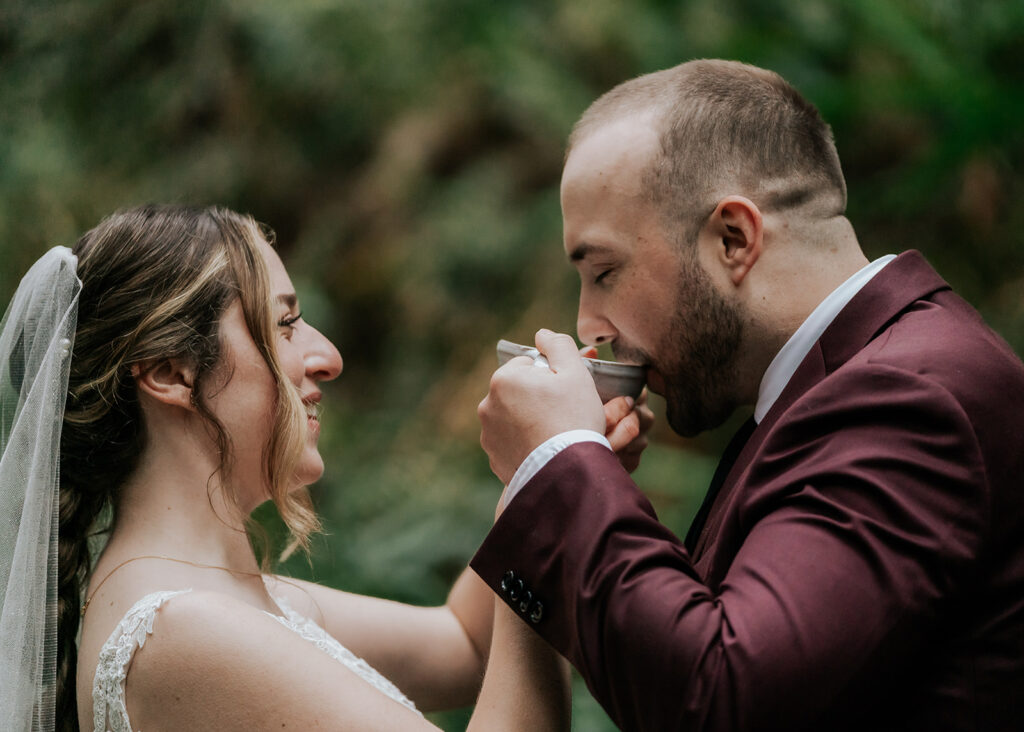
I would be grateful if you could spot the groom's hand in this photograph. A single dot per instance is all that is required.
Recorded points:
(528, 404)
(627, 423)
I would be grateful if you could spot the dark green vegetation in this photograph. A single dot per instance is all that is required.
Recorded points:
(408, 155)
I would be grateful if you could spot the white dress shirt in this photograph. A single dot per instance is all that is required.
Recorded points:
(775, 378)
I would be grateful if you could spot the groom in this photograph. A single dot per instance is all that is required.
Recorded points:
(858, 563)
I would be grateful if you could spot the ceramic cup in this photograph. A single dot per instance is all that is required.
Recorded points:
(612, 379)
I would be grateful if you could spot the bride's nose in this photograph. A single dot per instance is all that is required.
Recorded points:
(322, 360)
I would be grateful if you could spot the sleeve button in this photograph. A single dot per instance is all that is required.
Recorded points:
(536, 612)
(515, 589)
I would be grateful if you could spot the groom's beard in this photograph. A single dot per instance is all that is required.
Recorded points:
(697, 356)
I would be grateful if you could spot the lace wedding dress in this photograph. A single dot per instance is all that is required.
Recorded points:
(109, 711)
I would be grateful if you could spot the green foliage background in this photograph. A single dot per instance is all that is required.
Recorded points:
(408, 155)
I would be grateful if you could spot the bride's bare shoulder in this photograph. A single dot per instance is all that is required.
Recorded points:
(214, 660)
(193, 630)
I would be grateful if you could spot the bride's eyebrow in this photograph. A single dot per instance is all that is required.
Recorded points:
(289, 299)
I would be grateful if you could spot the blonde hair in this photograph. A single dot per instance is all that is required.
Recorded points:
(155, 282)
(722, 124)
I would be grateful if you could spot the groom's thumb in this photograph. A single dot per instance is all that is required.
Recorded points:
(559, 349)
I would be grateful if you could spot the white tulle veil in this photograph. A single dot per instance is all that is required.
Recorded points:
(36, 337)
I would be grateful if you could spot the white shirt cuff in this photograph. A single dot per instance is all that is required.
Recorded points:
(543, 453)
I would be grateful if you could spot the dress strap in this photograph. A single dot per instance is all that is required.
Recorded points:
(319, 637)
(110, 714)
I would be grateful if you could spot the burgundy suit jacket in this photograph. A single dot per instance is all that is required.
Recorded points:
(862, 567)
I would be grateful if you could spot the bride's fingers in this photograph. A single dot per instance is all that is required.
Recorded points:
(588, 352)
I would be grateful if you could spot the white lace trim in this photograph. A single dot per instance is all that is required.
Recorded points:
(320, 638)
(110, 713)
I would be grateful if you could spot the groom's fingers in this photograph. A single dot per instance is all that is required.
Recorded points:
(623, 433)
(517, 362)
(526, 405)
(615, 411)
(644, 412)
(626, 426)
(560, 351)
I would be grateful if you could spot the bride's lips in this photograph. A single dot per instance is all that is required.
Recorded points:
(312, 404)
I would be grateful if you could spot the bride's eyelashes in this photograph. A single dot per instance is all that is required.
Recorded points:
(289, 321)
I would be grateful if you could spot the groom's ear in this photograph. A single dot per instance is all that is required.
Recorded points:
(737, 236)
(167, 380)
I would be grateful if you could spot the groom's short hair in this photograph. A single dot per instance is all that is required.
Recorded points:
(726, 127)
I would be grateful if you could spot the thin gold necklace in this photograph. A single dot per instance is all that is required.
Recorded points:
(200, 565)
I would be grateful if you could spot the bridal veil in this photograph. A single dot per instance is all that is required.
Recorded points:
(36, 337)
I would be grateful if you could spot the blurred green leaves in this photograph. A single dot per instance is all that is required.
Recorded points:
(408, 155)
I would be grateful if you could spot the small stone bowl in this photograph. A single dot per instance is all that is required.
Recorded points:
(611, 378)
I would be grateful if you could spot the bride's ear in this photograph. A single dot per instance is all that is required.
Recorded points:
(167, 380)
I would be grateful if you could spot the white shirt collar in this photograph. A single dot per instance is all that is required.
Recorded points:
(786, 361)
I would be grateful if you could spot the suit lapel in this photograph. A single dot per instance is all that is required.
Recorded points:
(905, 280)
(729, 457)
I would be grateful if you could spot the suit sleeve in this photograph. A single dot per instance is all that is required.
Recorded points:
(856, 520)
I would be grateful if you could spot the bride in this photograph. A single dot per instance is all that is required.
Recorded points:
(172, 342)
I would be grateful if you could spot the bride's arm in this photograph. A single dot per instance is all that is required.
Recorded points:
(214, 662)
(436, 655)
(527, 682)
